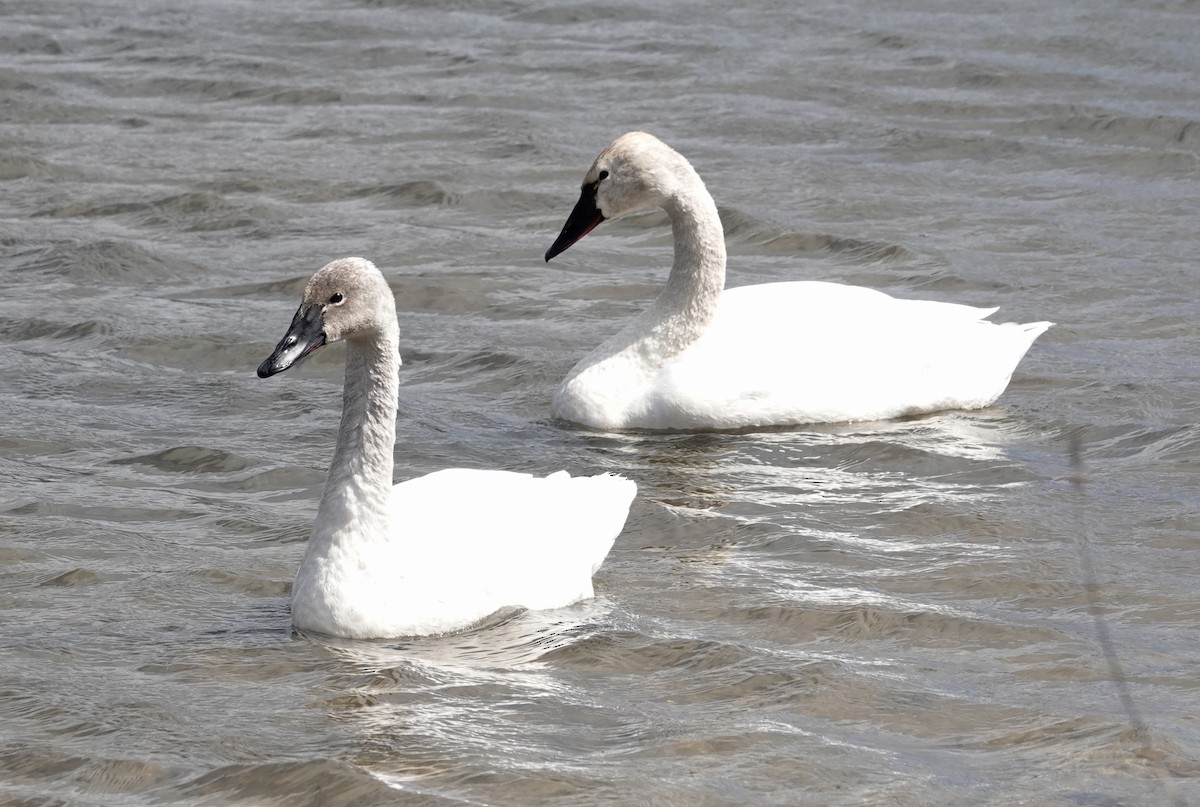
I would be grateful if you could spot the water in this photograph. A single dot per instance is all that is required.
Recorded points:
(880, 614)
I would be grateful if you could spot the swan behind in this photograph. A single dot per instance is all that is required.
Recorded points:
(703, 357)
(440, 552)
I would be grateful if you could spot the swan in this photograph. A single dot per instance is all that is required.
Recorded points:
(437, 553)
(703, 357)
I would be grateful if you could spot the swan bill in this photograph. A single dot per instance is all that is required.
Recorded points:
(583, 220)
(304, 336)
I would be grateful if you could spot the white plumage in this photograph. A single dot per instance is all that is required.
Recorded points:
(437, 553)
(702, 357)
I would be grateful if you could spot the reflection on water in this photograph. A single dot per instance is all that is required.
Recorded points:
(512, 639)
(951, 456)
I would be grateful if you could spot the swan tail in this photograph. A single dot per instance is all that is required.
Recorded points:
(1019, 338)
(602, 506)
(1027, 333)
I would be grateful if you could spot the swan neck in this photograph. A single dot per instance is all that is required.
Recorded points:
(610, 384)
(698, 272)
(358, 488)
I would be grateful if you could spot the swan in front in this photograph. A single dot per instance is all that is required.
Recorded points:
(703, 357)
(437, 553)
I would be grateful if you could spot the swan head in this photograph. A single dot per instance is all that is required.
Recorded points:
(635, 171)
(346, 299)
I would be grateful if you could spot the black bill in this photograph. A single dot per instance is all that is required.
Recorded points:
(304, 336)
(583, 220)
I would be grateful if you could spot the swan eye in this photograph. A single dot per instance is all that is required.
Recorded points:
(337, 297)
(602, 175)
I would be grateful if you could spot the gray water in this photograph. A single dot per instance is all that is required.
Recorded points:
(937, 611)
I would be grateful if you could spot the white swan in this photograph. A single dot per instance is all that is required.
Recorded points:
(437, 553)
(776, 353)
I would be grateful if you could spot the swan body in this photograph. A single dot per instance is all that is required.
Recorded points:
(440, 552)
(705, 358)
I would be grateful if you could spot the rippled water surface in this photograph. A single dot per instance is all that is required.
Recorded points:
(938, 611)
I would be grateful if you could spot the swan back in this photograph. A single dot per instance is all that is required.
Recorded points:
(534, 541)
